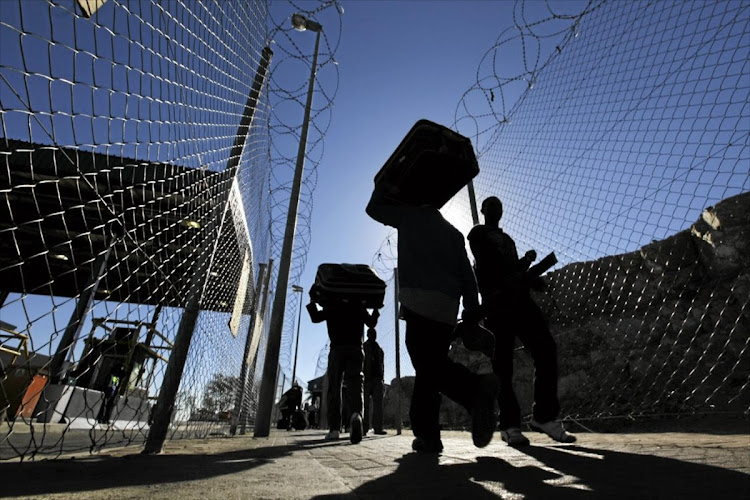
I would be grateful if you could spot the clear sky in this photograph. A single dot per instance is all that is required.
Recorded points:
(400, 61)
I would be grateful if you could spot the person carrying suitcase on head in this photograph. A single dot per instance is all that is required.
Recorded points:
(345, 321)
(434, 274)
(511, 313)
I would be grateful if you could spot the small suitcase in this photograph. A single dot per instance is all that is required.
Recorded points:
(430, 166)
(355, 282)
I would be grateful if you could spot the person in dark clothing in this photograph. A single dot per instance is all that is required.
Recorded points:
(289, 404)
(374, 372)
(345, 321)
(434, 274)
(511, 313)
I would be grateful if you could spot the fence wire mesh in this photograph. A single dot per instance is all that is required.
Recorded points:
(620, 142)
(123, 194)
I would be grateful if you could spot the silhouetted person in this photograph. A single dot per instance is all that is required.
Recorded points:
(345, 322)
(511, 313)
(110, 394)
(289, 404)
(374, 372)
(434, 274)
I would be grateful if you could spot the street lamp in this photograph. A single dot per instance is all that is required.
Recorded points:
(301, 23)
(299, 290)
(267, 389)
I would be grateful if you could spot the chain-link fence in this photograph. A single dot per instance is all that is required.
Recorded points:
(617, 137)
(142, 174)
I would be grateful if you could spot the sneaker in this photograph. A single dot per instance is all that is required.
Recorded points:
(427, 445)
(553, 429)
(514, 437)
(483, 415)
(332, 435)
(355, 424)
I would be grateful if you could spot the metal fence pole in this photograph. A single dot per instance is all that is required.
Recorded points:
(69, 338)
(242, 389)
(162, 414)
(398, 349)
(473, 202)
(252, 356)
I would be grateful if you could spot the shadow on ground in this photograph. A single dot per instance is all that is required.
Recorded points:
(101, 472)
(569, 472)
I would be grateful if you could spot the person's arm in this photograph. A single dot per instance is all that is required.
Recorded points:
(316, 316)
(381, 355)
(469, 290)
(383, 208)
(371, 320)
(525, 261)
(479, 244)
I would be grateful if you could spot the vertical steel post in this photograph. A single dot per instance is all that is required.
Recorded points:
(398, 349)
(299, 290)
(252, 356)
(162, 414)
(267, 389)
(69, 338)
(473, 203)
(242, 389)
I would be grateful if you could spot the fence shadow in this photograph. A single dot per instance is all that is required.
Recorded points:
(102, 472)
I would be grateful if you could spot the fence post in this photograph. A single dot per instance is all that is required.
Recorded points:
(162, 414)
(473, 202)
(398, 349)
(253, 354)
(240, 398)
(83, 305)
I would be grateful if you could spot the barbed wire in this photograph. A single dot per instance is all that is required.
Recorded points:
(612, 135)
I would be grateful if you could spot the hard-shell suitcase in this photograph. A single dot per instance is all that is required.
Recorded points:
(430, 166)
(355, 282)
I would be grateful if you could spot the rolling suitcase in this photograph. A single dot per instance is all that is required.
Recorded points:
(355, 282)
(430, 166)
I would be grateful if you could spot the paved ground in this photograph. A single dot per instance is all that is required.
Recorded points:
(301, 465)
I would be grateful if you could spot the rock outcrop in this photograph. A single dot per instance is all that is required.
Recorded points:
(661, 330)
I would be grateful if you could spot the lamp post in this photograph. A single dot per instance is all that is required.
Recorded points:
(270, 366)
(299, 290)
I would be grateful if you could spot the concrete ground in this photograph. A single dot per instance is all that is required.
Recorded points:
(302, 465)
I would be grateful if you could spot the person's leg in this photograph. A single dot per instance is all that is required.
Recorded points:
(354, 360)
(502, 364)
(425, 400)
(377, 406)
(538, 341)
(368, 393)
(335, 373)
(427, 342)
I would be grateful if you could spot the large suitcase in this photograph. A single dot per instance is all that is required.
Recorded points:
(355, 282)
(430, 166)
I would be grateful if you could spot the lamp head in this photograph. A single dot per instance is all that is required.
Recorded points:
(301, 23)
